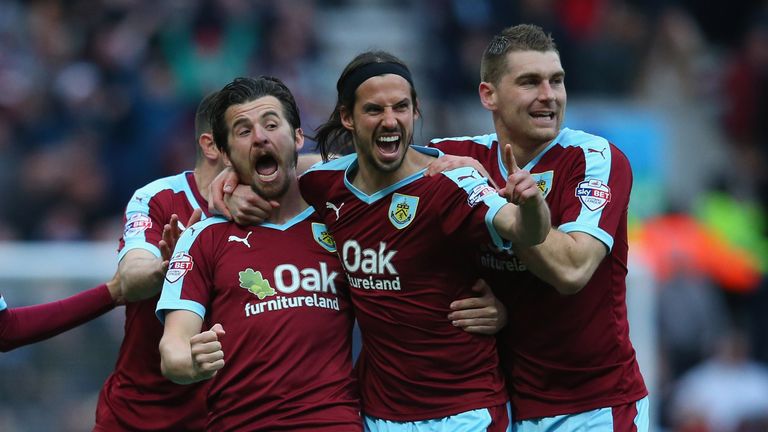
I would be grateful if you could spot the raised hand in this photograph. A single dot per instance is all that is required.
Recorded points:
(521, 187)
(171, 233)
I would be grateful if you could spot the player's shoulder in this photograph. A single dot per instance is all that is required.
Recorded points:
(211, 225)
(466, 179)
(174, 182)
(593, 146)
(338, 164)
(482, 141)
(578, 138)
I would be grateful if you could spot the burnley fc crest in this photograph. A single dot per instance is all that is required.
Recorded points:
(402, 210)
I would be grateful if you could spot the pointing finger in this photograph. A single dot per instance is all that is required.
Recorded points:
(509, 159)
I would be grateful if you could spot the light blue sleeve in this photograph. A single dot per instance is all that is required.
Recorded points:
(479, 191)
(181, 263)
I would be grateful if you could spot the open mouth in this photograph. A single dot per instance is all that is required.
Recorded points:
(266, 167)
(388, 144)
(543, 115)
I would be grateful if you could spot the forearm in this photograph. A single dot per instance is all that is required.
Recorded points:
(25, 325)
(523, 225)
(176, 360)
(535, 223)
(141, 277)
(565, 261)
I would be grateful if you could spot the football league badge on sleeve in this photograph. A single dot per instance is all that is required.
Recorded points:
(136, 224)
(593, 193)
(181, 263)
(323, 237)
(402, 210)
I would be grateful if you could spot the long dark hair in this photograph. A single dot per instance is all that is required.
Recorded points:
(332, 137)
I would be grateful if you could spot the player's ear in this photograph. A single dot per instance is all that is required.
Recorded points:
(225, 158)
(299, 138)
(487, 93)
(346, 118)
(207, 146)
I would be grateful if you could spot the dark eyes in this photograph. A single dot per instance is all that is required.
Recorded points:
(401, 107)
(245, 131)
(534, 83)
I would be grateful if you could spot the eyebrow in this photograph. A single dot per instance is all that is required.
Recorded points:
(270, 113)
(405, 100)
(241, 121)
(245, 120)
(537, 75)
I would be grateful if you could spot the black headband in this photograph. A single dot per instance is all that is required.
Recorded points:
(370, 70)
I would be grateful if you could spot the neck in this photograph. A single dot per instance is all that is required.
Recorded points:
(370, 179)
(291, 204)
(205, 172)
(523, 149)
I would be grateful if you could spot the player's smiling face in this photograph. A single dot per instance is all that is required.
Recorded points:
(382, 121)
(263, 145)
(530, 97)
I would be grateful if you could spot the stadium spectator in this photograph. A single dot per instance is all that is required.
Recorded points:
(724, 393)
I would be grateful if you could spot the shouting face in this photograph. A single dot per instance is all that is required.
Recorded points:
(262, 145)
(382, 122)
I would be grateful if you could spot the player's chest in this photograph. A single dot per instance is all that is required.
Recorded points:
(270, 280)
(405, 219)
(263, 262)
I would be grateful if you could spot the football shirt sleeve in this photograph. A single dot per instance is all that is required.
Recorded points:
(144, 219)
(189, 281)
(25, 325)
(470, 205)
(596, 194)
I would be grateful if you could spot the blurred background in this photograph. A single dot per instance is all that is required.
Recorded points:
(97, 98)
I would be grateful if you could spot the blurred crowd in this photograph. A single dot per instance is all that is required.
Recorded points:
(97, 99)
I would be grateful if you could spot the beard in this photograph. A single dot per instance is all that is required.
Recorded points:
(275, 189)
(367, 150)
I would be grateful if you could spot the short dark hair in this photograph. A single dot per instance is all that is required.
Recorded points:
(202, 120)
(242, 90)
(203, 113)
(332, 137)
(523, 37)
